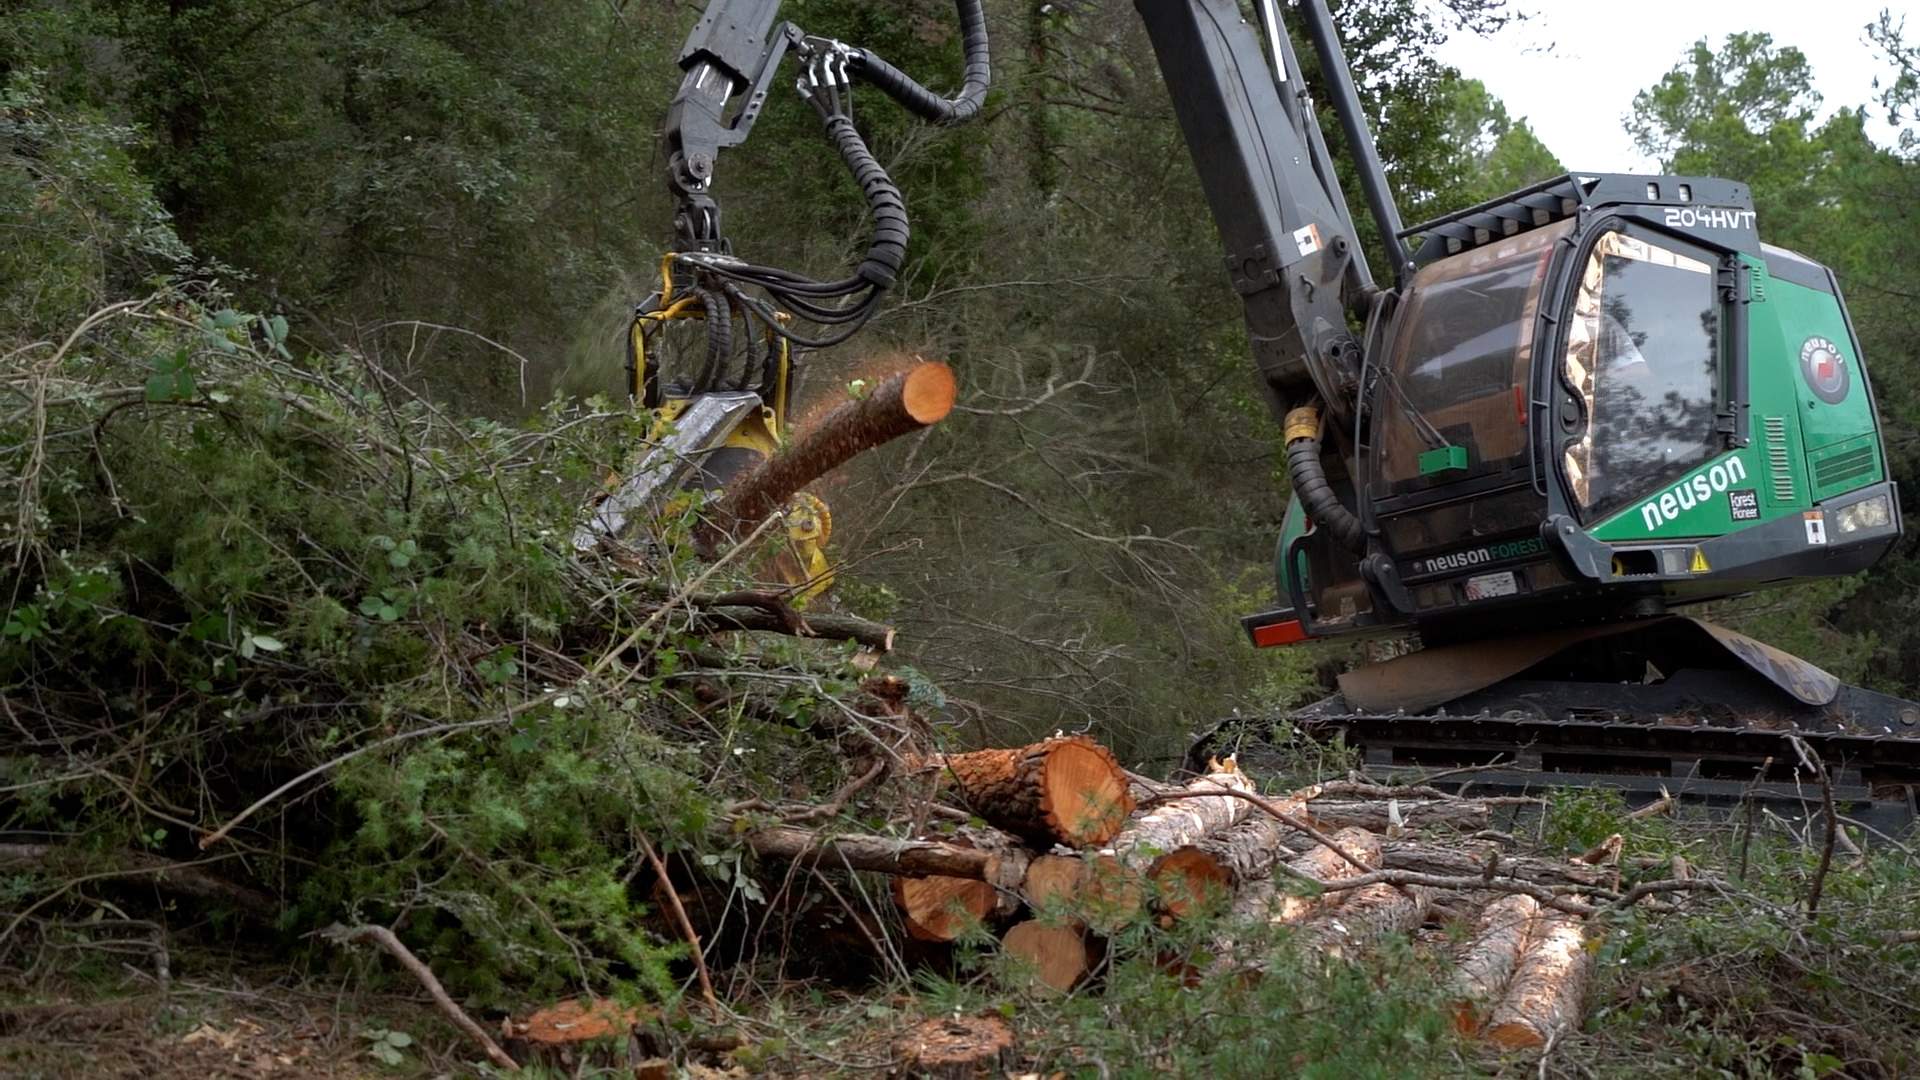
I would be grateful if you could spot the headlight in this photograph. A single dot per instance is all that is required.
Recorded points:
(1874, 513)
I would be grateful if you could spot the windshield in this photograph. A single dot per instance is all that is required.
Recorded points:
(1456, 379)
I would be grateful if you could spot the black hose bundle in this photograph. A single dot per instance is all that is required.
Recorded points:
(1309, 478)
(923, 102)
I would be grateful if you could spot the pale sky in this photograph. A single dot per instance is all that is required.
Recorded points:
(1572, 69)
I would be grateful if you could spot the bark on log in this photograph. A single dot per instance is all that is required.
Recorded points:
(1549, 985)
(1179, 822)
(1067, 789)
(1367, 915)
(1424, 858)
(955, 1048)
(1501, 936)
(887, 855)
(1375, 815)
(1324, 865)
(1058, 955)
(900, 404)
(825, 626)
(183, 878)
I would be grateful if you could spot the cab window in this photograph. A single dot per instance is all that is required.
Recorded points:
(1642, 357)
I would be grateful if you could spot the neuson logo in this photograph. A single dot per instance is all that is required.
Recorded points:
(1480, 556)
(1691, 492)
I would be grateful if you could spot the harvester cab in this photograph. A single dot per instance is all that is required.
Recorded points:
(1600, 394)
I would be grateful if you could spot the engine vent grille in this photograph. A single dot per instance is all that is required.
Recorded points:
(1778, 466)
(1758, 284)
(1840, 468)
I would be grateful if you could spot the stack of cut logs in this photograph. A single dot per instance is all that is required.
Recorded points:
(1076, 848)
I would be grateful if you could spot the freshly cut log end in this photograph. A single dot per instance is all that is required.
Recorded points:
(1501, 935)
(960, 1048)
(1188, 881)
(1067, 789)
(1112, 894)
(1053, 881)
(928, 392)
(1057, 956)
(942, 908)
(1549, 986)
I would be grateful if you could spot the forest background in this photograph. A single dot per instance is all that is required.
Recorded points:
(469, 196)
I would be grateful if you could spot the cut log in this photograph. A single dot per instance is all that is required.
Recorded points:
(1549, 986)
(1501, 936)
(1053, 882)
(1182, 821)
(941, 908)
(1376, 814)
(888, 855)
(1368, 914)
(1187, 881)
(1149, 851)
(955, 1048)
(1325, 865)
(1424, 858)
(1250, 850)
(1058, 956)
(1067, 789)
(905, 402)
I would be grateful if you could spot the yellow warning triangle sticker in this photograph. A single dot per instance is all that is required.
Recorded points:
(1699, 565)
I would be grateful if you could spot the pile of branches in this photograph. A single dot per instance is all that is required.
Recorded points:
(282, 634)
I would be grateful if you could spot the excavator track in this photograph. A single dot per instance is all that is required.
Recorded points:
(1718, 733)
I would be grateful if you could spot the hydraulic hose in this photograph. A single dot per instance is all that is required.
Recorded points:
(1309, 476)
(923, 102)
(887, 251)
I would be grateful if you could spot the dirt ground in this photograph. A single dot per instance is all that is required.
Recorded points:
(212, 1027)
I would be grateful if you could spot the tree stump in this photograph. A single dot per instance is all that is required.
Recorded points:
(1501, 935)
(592, 1033)
(1058, 955)
(1548, 988)
(1067, 789)
(957, 1048)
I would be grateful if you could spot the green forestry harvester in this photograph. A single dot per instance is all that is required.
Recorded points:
(1555, 420)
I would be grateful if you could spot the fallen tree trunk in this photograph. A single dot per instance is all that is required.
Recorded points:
(905, 402)
(1448, 862)
(186, 879)
(1323, 864)
(1549, 986)
(1067, 789)
(1501, 936)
